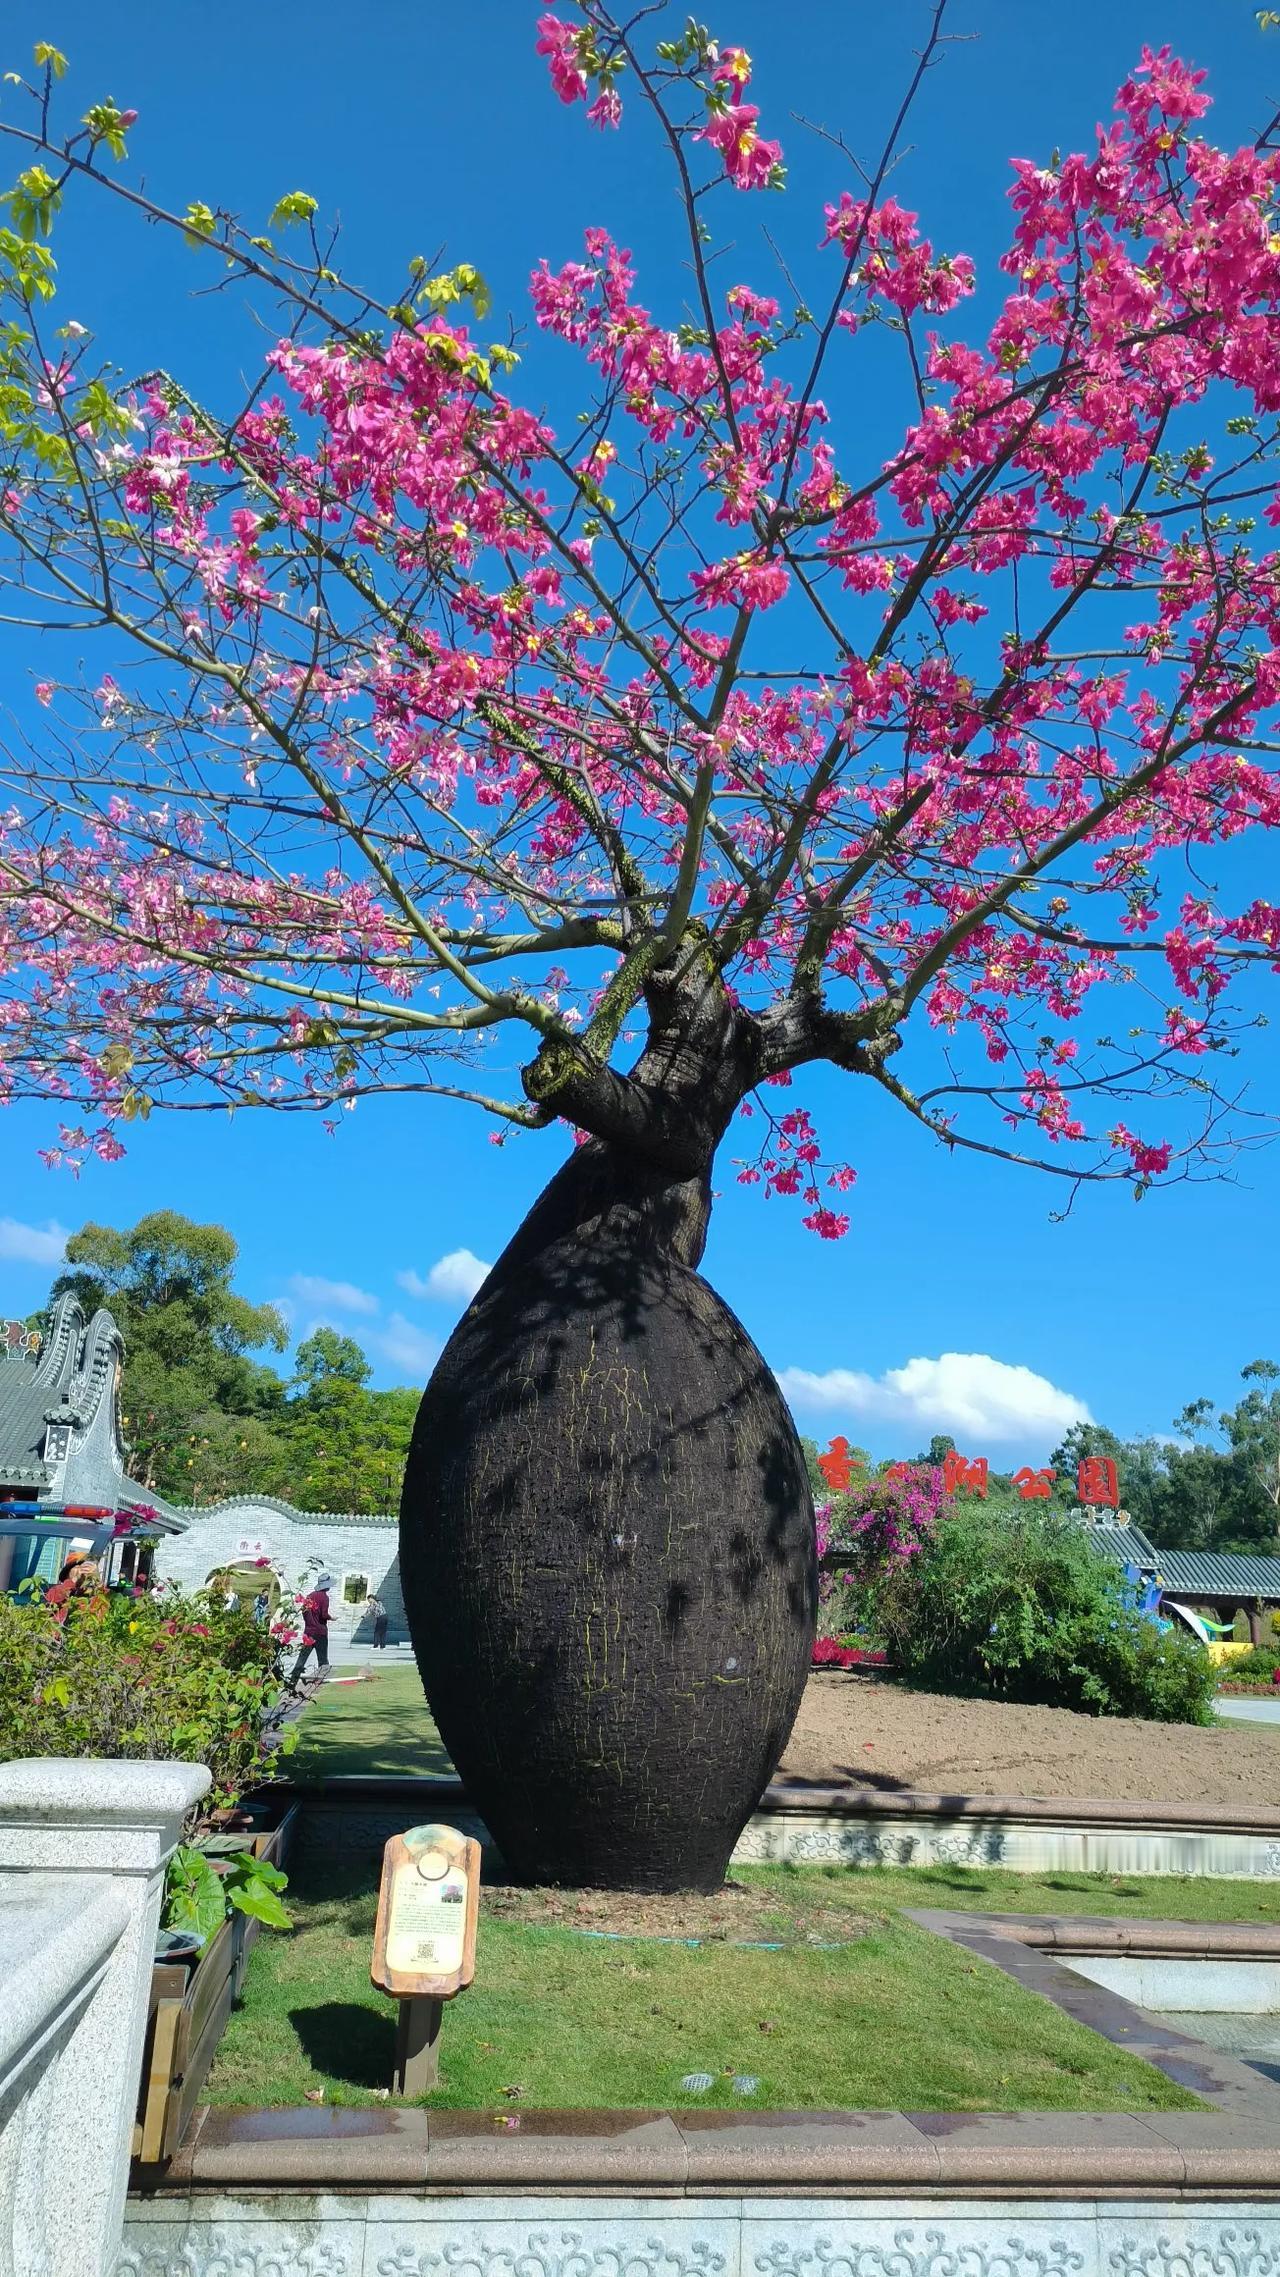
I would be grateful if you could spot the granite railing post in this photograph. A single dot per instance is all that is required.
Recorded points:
(83, 1848)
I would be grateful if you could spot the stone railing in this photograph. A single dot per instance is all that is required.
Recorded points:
(83, 1848)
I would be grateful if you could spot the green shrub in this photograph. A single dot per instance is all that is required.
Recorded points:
(1019, 1605)
(1252, 1667)
(169, 1677)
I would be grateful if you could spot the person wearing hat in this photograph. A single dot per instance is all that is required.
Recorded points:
(315, 1628)
(79, 1577)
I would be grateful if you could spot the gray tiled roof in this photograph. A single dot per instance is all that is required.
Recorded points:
(1192, 1573)
(1128, 1545)
(23, 1400)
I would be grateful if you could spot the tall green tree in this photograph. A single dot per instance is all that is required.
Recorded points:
(200, 1412)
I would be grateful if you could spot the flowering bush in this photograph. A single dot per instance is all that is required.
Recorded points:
(167, 1677)
(882, 1523)
(1017, 1603)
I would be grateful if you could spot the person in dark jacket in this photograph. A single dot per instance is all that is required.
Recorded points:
(315, 1629)
(379, 1612)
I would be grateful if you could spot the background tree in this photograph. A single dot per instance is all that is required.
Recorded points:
(547, 769)
(198, 1410)
(327, 1362)
(202, 1418)
(1188, 1492)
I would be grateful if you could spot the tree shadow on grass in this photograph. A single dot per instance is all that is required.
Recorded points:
(345, 2041)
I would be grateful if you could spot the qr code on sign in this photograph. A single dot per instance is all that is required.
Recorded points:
(425, 1949)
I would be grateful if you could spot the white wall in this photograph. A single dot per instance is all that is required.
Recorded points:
(253, 1526)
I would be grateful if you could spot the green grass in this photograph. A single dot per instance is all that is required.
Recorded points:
(989, 1889)
(894, 2019)
(891, 2019)
(384, 1727)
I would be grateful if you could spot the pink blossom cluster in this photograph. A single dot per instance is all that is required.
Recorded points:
(751, 161)
(932, 738)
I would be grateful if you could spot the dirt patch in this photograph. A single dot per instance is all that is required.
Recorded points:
(735, 1915)
(875, 1733)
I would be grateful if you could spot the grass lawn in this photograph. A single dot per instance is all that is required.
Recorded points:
(381, 1727)
(891, 2019)
(990, 1889)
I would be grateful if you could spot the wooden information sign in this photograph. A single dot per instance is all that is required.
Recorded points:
(424, 1941)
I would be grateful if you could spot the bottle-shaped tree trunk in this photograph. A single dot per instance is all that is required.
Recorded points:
(607, 1542)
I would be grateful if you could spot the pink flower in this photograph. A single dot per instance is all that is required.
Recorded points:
(749, 159)
(559, 43)
(44, 691)
(733, 65)
(606, 110)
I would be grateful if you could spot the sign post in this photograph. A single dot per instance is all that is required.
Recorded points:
(424, 1941)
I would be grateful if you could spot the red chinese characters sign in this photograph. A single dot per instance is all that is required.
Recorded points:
(836, 1466)
(1097, 1483)
(1097, 1479)
(1034, 1486)
(965, 1474)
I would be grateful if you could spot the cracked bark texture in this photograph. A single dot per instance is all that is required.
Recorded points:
(607, 1544)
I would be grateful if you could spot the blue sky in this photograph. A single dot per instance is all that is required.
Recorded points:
(431, 128)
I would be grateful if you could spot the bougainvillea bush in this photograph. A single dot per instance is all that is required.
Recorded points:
(869, 1539)
(1018, 1604)
(171, 1677)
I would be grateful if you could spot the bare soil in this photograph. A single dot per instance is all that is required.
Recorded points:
(738, 1914)
(876, 1733)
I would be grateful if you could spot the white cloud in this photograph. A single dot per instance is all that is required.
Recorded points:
(311, 1289)
(405, 1346)
(33, 1244)
(968, 1394)
(453, 1279)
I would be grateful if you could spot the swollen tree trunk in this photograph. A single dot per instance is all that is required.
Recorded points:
(607, 1542)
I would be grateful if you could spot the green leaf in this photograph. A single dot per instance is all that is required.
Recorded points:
(253, 1897)
(106, 123)
(50, 58)
(295, 206)
(463, 283)
(195, 1896)
(199, 221)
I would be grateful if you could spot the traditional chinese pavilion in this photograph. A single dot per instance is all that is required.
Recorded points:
(1220, 1582)
(63, 1481)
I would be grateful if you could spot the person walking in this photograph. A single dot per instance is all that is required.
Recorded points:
(379, 1612)
(261, 1607)
(315, 1629)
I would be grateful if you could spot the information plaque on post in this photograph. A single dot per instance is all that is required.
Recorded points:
(424, 1942)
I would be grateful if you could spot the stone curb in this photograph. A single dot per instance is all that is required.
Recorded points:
(809, 1799)
(1233, 2147)
(799, 2154)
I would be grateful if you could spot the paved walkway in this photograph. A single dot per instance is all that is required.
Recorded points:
(1244, 1710)
(347, 1656)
